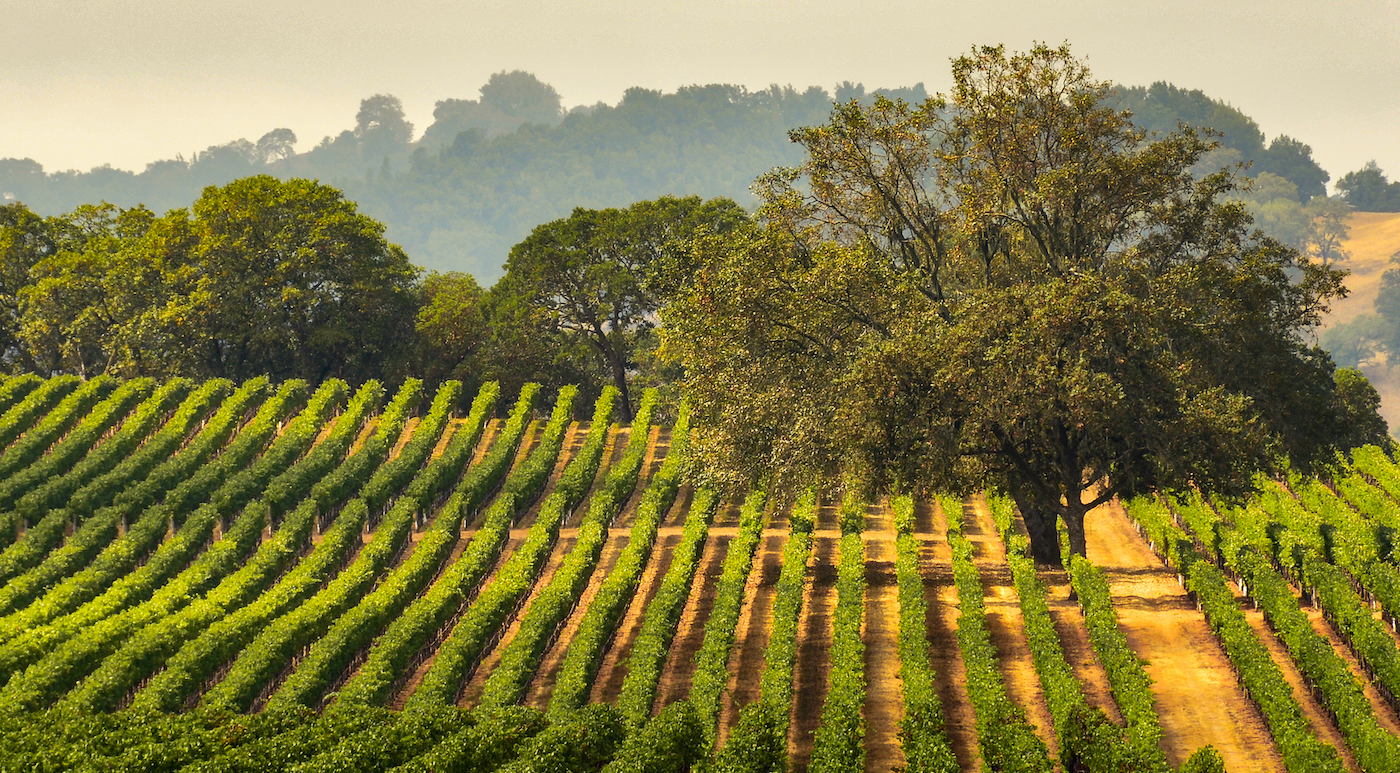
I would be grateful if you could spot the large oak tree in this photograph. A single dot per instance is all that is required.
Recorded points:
(601, 276)
(1011, 286)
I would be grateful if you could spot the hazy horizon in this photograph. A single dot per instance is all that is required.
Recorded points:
(128, 82)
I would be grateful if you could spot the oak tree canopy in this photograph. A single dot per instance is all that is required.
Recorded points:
(1009, 286)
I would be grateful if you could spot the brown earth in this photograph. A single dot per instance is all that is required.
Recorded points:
(748, 658)
(541, 685)
(613, 671)
(1197, 697)
(1321, 725)
(371, 426)
(612, 451)
(1005, 623)
(448, 432)
(811, 672)
(1068, 617)
(950, 674)
(406, 435)
(414, 679)
(884, 702)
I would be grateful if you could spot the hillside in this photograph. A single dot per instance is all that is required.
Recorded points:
(1374, 238)
(465, 592)
(488, 171)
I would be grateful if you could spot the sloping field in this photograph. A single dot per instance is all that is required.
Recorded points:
(1374, 239)
(263, 577)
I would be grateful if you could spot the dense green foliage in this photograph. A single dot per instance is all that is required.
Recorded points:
(1368, 190)
(1010, 287)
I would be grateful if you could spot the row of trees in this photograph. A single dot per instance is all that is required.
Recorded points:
(289, 279)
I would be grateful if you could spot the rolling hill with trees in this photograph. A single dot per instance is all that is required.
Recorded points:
(488, 170)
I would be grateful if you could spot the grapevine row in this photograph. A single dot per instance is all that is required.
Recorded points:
(1257, 672)
(1007, 740)
(197, 660)
(711, 676)
(840, 739)
(152, 646)
(497, 601)
(922, 732)
(663, 613)
(551, 606)
(255, 670)
(600, 621)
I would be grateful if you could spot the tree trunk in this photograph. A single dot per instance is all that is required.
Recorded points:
(1074, 523)
(618, 363)
(1040, 525)
(620, 380)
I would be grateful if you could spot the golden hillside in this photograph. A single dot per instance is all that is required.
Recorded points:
(1375, 236)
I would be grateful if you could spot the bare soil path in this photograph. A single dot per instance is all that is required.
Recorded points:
(884, 702)
(613, 671)
(1319, 722)
(751, 635)
(1005, 622)
(690, 632)
(1197, 697)
(430, 654)
(950, 674)
(810, 674)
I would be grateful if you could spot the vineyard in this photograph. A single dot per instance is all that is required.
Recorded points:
(266, 577)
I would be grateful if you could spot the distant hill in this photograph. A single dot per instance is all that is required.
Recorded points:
(488, 170)
(1374, 238)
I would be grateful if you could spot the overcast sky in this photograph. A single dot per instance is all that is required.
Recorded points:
(126, 82)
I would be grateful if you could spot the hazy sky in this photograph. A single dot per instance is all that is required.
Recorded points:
(126, 82)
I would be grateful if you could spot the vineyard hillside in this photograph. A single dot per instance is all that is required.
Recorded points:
(268, 577)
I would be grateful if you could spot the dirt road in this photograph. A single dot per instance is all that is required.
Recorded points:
(1197, 696)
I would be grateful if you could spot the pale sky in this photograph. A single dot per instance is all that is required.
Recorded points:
(126, 82)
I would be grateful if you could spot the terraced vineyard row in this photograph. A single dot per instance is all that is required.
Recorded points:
(255, 578)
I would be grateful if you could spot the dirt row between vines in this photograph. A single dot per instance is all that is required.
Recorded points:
(619, 536)
(1197, 696)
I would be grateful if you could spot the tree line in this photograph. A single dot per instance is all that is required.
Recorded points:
(290, 280)
(459, 193)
